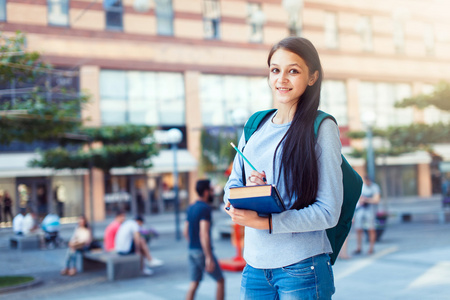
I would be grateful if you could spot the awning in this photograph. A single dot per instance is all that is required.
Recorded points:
(16, 165)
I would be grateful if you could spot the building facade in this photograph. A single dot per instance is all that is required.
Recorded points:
(192, 64)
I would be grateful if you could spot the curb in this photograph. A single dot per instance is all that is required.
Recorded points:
(36, 281)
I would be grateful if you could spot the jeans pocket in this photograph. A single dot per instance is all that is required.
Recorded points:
(300, 269)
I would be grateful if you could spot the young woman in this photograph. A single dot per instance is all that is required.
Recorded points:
(79, 241)
(287, 253)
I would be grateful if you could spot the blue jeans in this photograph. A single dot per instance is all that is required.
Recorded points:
(311, 278)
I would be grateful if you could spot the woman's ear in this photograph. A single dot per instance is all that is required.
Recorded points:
(313, 78)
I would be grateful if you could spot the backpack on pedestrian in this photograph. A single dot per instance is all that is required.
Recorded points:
(352, 182)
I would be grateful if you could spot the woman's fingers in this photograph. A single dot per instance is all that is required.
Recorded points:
(256, 178)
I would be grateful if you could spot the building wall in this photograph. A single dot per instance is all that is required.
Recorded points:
(87, 43)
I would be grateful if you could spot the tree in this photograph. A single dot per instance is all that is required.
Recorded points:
(26, 114)
(414, 137)
(46, 113)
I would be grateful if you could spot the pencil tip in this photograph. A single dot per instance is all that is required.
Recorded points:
(232, 145)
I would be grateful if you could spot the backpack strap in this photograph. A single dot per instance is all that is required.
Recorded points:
(254, 121)
(320, 117)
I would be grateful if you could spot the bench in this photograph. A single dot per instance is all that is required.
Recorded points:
(24, 242)
(117, 266)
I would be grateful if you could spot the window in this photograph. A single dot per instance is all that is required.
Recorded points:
(114, 14)
(2, 10)
(147, 98)
(221, 95)
(164, 17)
(381, 98)
(58, 12)
(256, 20)
(211, 19)
(333, 100)
(331, 30)
(364, 28)
(399, 34)
(428, 38)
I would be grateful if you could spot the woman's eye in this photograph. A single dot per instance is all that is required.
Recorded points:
(293, 71)
(274, 70)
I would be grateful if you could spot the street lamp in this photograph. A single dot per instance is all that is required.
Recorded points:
(368, 119)
(294, 9)
(174, 137)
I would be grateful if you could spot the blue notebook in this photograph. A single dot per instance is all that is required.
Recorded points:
(264, 199)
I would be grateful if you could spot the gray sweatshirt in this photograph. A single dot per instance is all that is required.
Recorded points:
(296, 234)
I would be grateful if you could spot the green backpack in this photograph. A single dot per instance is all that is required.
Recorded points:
(351, 180)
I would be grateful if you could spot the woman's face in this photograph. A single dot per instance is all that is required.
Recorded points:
(289, 76)
(81, 222)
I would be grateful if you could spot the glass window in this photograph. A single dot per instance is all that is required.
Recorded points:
(333, 100)
(428, 38)
(399, 34)
(211, 19)
(331, 30)
(381, 98)
(2, 10)
(256, 20)
(58, 12)
(164, 17)
(221, 95)
(114, 14)
(364, 28)
(148, 98)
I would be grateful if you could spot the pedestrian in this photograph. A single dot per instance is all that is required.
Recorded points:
(18, 221)
(80, 241)
(111, 231)
(197, 231)
(128, 241)
(365, 214)
(7, 203)
(287, 253)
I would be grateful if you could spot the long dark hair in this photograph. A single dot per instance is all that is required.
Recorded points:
(298, 159)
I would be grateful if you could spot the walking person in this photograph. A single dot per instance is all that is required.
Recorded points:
(197, 231)
(287, 253)
(365, 214)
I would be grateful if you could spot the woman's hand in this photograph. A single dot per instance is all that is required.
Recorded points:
(256, 178)
(246, 217)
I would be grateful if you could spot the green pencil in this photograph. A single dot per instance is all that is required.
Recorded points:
(242, 154)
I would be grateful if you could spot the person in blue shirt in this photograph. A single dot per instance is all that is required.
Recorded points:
(197, 231)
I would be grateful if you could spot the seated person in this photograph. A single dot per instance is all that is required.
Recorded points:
(80, 241)
(111, 231)
(129, 240)
(18, 221)
(29, 224)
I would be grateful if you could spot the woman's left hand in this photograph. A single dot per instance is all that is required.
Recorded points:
(246, 217)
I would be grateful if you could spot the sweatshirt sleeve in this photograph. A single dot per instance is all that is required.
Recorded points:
(325, 212)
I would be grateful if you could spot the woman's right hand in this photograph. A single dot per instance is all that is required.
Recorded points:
(256, 178)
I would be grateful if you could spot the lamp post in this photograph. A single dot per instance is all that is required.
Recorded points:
(368, 119)
(174, 137)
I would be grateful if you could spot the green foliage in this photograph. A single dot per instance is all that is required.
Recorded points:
(31, 116)
(8, 281)
(440, 98)
(216, 150)
(121, 147)
(13, 65)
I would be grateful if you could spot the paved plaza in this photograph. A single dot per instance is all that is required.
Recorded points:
(411, 262)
